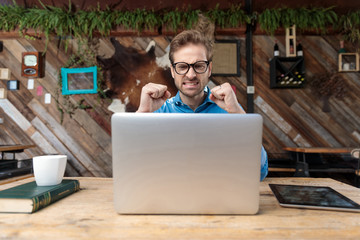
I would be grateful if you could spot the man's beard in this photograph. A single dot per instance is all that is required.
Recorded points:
(189, 92)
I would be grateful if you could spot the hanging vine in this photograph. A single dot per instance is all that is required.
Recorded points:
(318, 19)
(68, 21)
(85, 56)
(349, 26)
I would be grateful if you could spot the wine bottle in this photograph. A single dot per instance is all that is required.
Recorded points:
(342, 49)
(291, 49)
(299, 50)
(276, 49)
(282, 79)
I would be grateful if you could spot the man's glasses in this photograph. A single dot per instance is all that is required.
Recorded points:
(199, 67)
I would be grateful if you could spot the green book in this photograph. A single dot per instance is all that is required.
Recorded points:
(29, 198)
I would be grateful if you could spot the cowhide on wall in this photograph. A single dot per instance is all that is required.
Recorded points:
(128, 70)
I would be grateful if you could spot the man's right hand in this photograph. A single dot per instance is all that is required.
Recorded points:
(153, 96)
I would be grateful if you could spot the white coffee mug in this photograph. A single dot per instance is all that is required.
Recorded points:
(49, 169)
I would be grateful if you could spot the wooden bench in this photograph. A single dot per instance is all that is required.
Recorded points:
(10, 167)
(13, 149)
(302, 167)
(280, 169)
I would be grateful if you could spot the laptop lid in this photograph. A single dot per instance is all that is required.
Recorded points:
(186, 163)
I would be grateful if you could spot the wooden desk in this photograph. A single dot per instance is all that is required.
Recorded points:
(89, 214)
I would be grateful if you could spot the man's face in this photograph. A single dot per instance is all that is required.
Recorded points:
(191, 84)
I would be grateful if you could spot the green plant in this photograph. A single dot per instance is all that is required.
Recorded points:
(85, 56)
(11, 17)
(67, 21)
(179, 19)
(190, 17)
(232, 17)
(49, 20)
(304, 18)
(97, 20)
(349, 26)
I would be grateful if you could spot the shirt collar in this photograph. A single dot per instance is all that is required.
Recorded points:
(207, 100)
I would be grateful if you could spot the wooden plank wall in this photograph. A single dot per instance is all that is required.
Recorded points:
(292, 117)
(297, 113)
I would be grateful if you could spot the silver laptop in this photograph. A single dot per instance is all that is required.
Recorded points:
(186, 163)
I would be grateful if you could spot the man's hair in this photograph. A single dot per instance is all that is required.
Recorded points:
(190, 37)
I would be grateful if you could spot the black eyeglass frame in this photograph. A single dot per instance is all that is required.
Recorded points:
(191, 65)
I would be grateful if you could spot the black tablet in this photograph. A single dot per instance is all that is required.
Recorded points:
(314, 197)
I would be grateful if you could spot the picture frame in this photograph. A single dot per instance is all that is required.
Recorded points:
(226, 59)
(79, 80)
(2, 93)
(5, 73)
(13, 85)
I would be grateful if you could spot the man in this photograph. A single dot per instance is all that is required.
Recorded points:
(190, 56)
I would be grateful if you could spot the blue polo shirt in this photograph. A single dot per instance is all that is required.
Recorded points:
(175, 105)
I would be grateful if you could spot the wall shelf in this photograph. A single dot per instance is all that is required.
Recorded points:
(348, 62)
(290, 38)
(287, 72)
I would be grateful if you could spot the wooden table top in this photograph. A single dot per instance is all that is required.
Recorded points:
(16, 147)
(89, 214)
(318, 149)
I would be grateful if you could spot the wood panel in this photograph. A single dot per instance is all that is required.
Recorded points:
(304, 110)
(292, 117)
(86, 158)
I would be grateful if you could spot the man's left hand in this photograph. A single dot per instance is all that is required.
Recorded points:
(224, 96)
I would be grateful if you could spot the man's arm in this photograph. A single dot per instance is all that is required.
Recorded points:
(224, 96)
(153, 96)
(264, 164)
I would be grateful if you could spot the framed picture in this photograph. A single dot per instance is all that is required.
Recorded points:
(226, 59)
(2, 93)
(5, 73)
(13, 85)
(79, 80)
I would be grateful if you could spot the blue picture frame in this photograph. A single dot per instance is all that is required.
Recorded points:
(76, 73)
